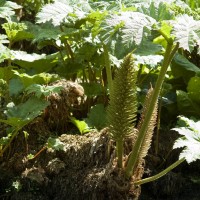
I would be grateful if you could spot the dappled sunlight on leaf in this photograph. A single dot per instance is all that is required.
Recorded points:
(56, 12)
(81, 125)
(190, 140)
(186, 31)
(28, 110)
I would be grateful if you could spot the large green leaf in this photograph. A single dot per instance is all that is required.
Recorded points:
(113, 6)
(157, 10)
(130, 26)
(35, 62)
(97, 117)
(3, 39)
(135, 26)
(16, 31)
(150, 60)
(92, 89)
(6, 73)
(4, 50)
(15, 86)
(193, 89)
(186, 31)
(44, 34)
(87, 51)
(15, 122)
(44, 90)
(42, 78)
(190, 139)
(96, 18)
(4, 53)
(23, 55)
(186, 106)
(69, 68)
(7, 8)
(182, 67)
(9, 4)
(147, 48)
(55, 12)
(26, 111)
(126, 29)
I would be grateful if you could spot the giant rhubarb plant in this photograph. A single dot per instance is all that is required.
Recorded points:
(122, 108)
(122, 114)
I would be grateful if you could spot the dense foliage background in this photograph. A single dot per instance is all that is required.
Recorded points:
(43, 42)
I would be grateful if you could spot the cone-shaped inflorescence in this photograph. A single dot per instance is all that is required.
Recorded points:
(122, 109)
(148, 136)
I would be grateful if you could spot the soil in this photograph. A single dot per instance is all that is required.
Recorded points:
(84, 171)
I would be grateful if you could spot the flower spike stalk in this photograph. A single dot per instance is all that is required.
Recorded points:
(136, 150)
(122, 109)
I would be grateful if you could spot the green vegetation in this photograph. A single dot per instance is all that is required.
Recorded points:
(138, 63)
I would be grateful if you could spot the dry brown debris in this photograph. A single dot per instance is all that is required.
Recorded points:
(58, 112)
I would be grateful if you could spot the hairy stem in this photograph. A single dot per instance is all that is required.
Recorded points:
(133, 158)
(162, 173)
(120, 150)
(108, 67)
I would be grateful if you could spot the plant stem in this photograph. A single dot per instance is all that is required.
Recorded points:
(39, 152)
(162, 173)
(9, 47)
(108, 67)
(120, 150)
(68, 47)
(133, 158)
(15, 133)
(165, 36)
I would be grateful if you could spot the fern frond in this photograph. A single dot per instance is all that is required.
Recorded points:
(149, 133)
(122, 109)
